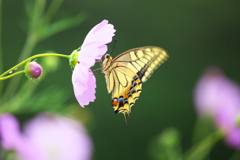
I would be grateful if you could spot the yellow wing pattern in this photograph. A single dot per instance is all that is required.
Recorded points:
(143, 61)
(126, 72)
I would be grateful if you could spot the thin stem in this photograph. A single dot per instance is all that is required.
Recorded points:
(52, 10)
(35, 18)
(201, 149)
(33, 57)
(12, 75)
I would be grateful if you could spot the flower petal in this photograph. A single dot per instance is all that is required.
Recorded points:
(101, 34)
(88, 54)
(9, 131)
(218, 97)
(233, 139)
(84, 90)
(228, 107)
(97, 38)
(103, 49)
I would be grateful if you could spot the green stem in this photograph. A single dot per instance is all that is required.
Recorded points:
(52, 10)
(33, 57)
(32, 39)
(12, 75)
(35, 18)
(201, 149)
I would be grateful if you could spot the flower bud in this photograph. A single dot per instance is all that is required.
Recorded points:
(33, 70)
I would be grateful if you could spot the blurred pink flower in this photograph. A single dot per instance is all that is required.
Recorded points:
(9, 130)
(208, 91)
(48, 137)
(228, 107)
(92, 49)
(13, 139)
(233, 139)
(218, 97)
(59, 138)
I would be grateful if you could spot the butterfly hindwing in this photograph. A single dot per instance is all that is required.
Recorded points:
(126, 90)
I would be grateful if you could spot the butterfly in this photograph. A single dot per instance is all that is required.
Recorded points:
(126, 72)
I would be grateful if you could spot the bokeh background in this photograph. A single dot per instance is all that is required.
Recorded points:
(196, 34)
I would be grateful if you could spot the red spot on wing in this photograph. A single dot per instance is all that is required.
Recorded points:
(114, 102)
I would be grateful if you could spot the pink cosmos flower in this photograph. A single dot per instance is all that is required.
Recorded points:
(233, 139)
(92, 49)
(46, 137)
(208, 90)
(219, 98)
(13, 139)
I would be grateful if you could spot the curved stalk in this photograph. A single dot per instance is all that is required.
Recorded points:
(33, 57)
(12, 75)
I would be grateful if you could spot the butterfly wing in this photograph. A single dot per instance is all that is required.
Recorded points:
(127, 88)
(126, 72)
(143, 60)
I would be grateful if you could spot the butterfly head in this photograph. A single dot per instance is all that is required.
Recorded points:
(107, 61)
(107, 56)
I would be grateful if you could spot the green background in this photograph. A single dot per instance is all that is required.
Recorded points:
(196, 34)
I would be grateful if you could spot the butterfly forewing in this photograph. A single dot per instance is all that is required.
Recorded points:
(143, 61)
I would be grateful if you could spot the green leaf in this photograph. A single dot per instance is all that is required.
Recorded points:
(51, 99)
(62, 25)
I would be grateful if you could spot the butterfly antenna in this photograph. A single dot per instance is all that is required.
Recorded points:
(114, 43)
